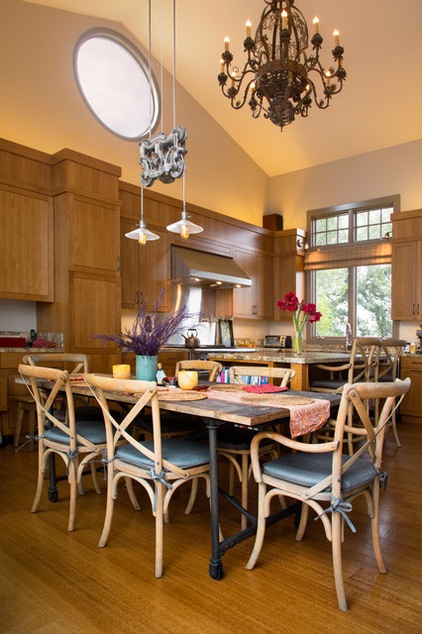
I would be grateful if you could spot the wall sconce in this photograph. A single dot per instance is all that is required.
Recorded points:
(302, 244)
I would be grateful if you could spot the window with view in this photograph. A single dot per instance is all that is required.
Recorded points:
(348, 266)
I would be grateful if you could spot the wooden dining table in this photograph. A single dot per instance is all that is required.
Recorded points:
(214, 412)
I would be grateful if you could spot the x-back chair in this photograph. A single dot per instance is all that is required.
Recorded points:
(159, 465)
(77, 443)
(324, 479)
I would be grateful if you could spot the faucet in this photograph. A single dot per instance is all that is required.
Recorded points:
(348, 343)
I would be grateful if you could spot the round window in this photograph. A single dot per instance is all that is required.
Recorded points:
(113, 78)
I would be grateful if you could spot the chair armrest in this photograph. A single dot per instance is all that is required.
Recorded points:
(296, 445)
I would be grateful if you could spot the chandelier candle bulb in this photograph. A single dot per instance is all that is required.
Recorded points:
(336, 35)
(226, 43)
(284, 19)
(316, 25)
(248, 28)
(222, 65)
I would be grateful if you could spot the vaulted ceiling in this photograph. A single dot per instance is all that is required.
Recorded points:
(379, 107)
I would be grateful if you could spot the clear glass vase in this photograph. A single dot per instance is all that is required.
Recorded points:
(297, 342)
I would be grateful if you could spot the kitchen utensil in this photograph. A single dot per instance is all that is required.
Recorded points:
(191, 340)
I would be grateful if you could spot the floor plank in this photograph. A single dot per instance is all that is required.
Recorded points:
(54, 582)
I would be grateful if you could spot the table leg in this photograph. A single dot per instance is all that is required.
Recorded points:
(216, 563)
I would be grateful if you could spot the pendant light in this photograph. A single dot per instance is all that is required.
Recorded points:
(184, 227)
(142, 234)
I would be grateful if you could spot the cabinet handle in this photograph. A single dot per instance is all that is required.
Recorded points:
(118, 263)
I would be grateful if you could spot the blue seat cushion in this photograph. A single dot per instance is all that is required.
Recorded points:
(183, 453)
(91, 430)
(307, 469)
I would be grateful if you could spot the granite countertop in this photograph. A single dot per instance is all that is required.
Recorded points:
(283, 356)
(28, 350)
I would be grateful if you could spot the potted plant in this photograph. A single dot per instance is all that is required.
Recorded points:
(147, 334)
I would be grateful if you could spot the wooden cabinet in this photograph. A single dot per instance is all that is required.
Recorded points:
(26, 246)
(406, 296)
(145, 269)
(256, 301)
(87, 258)
(289, 273)
(411, 406)
(406, 280)
(9, 362)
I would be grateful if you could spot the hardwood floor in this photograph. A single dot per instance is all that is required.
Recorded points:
(52, 581)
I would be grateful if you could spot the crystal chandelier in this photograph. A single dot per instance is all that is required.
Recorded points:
(280, 76)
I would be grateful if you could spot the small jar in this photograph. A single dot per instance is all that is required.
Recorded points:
(413, 347)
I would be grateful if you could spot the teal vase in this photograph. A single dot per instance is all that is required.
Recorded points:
(146, 368)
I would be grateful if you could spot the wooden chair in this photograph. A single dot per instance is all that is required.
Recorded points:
(363, 357)
(76, 443)
(321, 477)
(212, 367)
(159, 465)
(363, 361)
(234, 443)
(74, 364)
(25, 404)
(389, 353)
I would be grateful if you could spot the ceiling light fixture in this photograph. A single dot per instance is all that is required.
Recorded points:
(184, 227)
(277, 76)
(142, 234)
(163, 157)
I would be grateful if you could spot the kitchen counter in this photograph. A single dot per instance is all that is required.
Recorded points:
(283, 357)
(29, 350)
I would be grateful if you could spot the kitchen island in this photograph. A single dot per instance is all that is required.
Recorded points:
(283, 357)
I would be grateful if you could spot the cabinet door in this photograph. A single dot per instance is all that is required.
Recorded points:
(93, 311)
(154, 271)
(26, 247)
(244, 298)
(289, 277)
(93, 237)
(264, 287)
(145, 269)
(256, 301)
(406, 284)
(129, 268)
(411, 405)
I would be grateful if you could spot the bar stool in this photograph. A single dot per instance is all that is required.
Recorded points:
(25, 404)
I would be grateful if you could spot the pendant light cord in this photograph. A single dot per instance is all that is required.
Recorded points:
(174, 64)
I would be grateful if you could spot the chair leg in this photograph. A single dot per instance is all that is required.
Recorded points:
(375, 528)
(394, 428)
(40, 478)
(73, 486)
(19, 420)
(303, 522)
(159, 529)
(261, 525)
(192, 496)
(337, 563)
(109, 511)
(131, 494)
(245, 488)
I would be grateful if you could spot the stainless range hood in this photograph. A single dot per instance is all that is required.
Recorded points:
(197, 268)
